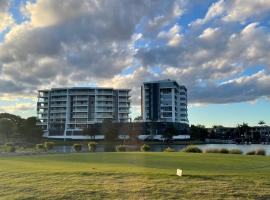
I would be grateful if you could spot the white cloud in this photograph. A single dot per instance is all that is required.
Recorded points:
(208, 33)
(235, 11)
(67, 43)
(173, 35)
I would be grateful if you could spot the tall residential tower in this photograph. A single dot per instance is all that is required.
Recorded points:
(164, 101)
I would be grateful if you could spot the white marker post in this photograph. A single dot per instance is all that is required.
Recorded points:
(179, 172)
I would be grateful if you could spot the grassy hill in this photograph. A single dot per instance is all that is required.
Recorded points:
(135, 175)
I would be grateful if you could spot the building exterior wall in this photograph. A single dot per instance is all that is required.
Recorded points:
(65, 110)
(164, 101)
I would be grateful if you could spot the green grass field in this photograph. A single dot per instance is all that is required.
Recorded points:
(135, 175)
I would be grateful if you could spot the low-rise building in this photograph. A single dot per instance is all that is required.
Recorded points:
(63, 111)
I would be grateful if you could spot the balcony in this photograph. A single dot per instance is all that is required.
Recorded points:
(42, 106)
(123, 111)
(57, 116)
(42, 117)
(107, 116)
(80, 104)
(104, 99)
(82, 93)
(41, 123)
(124, 95)
(58, 111)
(104, 110)
(43, 95)
(123, 100)
(80, 116)
(80, 110)
(104, 104)
(124, 105)
(59, 99)
(105, 93)
(81, 99)
(54, 94)
(58, 105)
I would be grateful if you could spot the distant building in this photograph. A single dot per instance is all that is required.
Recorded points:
(164, 101)
(254, 134)
(63, 111)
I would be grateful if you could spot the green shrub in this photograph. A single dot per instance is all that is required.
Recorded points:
(77, 147)
(92, 146)
(235, 151)
(223, 150)
(260, 152)
(211, 151)
(9, 147)
(169, 149)
(40, 147)
(48, 145)
(120, 148)
(251, 153)
(192, 149)
(145, 147)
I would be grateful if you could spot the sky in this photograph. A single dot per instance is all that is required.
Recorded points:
(218, 49)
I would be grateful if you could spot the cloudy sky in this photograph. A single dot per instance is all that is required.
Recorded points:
(219, 49)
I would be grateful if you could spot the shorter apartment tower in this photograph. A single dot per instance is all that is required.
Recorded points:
(66, 111)
(164, 101)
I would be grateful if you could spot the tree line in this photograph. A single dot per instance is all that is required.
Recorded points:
(16, 129)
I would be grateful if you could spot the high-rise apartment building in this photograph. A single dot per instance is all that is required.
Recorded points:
(63, 111)
(164, 101)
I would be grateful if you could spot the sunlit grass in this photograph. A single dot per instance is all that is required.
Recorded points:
(135, 175)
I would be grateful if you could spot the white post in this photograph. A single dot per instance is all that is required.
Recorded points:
(173, 105)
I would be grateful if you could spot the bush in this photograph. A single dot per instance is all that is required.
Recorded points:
(40, 147)
(224, 150)
(145, 147)
(169, 149)
(92, 146)
(77, 147)
(120, 148)
(48, 145)
(235, 151)
(260, 152)
(251, 153)
(9, 147)
(192, 149)
(211, 151)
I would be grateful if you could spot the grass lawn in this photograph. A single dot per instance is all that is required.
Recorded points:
(135, 175)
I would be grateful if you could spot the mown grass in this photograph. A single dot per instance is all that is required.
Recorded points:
(135, 175)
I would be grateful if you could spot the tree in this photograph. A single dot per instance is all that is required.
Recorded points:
(138, 118)
(261, 123)
(243, 131)
(109, 130)
(169, 132)
(90, 131)
(198, 132)
(29, 130)
(133, 133)
(14, 118)
(8, 129)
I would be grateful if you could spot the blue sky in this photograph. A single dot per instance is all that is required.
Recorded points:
(218, 49)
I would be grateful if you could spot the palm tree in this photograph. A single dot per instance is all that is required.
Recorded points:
(261, 123)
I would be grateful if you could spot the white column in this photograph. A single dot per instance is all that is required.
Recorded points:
(173, 105)
(143, 103)
(67, 112)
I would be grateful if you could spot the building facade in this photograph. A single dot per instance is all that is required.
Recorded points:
(65, 111)
(164, 101)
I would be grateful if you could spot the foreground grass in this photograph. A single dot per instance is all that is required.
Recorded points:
(135, 175)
